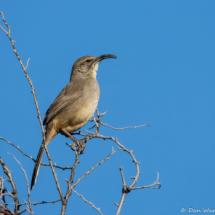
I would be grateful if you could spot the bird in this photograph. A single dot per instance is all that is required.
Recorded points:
(74, 106)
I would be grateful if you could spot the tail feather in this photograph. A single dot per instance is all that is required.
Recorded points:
(37, 165)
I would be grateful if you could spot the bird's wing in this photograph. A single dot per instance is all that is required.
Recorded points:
(66, 97)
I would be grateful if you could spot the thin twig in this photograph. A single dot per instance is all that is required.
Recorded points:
(28, 156)
(71, 187)
(55, 175)
(45, 202)
(23, 210)
(151, 185)
(4, 212)
(88, 172)
(4, 206)
(123, 127)
(1, 186)
(28, 208)
(93, 206)
(69, 182)
(4, 193)
(7, 193)
(37, 203)
(14, 190)
(123, 179)
(26, 178)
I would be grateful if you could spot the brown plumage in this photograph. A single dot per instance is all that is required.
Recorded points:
(75, 105)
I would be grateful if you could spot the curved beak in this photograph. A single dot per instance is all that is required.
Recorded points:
(106, 56)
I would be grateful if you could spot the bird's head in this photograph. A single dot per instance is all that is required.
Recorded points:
(87, 66)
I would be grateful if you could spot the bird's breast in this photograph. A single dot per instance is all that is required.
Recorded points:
(84, 108)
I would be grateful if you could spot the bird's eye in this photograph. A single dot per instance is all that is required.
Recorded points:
(88, 60)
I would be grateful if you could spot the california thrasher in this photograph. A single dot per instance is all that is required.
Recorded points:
(74, 106)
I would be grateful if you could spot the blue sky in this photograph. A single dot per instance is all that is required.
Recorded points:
(163, 77)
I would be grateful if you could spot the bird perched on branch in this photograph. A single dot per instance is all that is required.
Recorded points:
(74, 106)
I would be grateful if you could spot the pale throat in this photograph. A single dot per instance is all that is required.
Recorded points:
(94, 70)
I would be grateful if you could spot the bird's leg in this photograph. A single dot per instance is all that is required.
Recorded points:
(67, 134)
(80, 144)
(75, 133)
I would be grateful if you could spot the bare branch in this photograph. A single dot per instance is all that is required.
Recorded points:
(123, 127)
(24, 69)
(93, 206)
(17, 147)
(4, 212)
(54, 174)
(4, 206)
(1, 186)
(14, 190)
(23, 210)
(123, 179)
(28, 156)
(3, 193)
(28, 208)
(45, 202)
(101, 123)
(36, 103)
(26, 178)
(27, 63)
(69, 190)
(88, 172)
(151, 185)
(37, 203)
(126, 189)
(78, 147)
(121, 203)
(78, 151)
(7, 193)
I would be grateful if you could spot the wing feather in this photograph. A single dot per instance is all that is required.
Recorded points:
(64, 99)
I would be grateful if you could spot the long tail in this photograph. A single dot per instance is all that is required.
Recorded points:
(37, 165)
